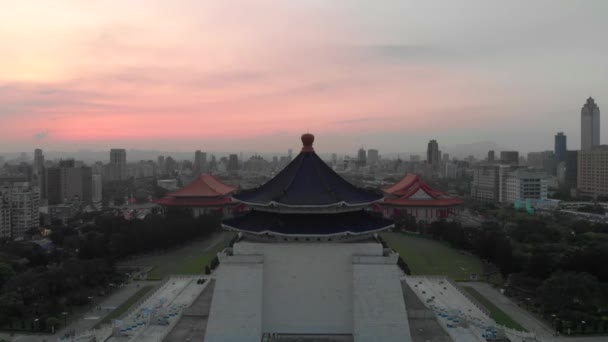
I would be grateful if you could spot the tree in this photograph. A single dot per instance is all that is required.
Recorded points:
(6, 273)
(540, 265)
(52, 323)
(569, 291)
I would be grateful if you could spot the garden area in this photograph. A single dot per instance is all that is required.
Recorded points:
(429, 257)
(191, 259)
(496, 313)
(124, 307)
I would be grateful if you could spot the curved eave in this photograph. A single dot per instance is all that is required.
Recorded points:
(283, 235)
(172, 202)
(307, 206)
(423, 203)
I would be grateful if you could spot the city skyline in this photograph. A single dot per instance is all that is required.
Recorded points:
(96, 76)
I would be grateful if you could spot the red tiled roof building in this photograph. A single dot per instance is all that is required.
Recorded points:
(412, 196)
(204, 195)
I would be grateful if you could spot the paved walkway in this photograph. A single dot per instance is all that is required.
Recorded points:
(523, 317)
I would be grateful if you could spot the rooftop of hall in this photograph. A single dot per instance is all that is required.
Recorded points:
(307, 182)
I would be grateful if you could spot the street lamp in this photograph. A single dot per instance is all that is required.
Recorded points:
(65, 319)
(555, 319)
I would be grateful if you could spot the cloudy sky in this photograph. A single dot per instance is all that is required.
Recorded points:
(254, 75)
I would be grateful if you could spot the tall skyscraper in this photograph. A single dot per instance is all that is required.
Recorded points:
(77, 184)
(590, 125)
(117, 169)
(118, 156)
(372, 156)
(432, 154)
(361, 157)
(491, 156)
(592, 175)
(38, 164)
(67, 183)
(200, 162)
(561, 147)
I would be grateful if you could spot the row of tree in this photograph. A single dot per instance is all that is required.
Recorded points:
(558, 269)
(38, 283)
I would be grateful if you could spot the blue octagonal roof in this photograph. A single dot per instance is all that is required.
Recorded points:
(307, 182)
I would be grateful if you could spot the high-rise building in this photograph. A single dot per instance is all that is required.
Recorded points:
(571, 169)
(517, 184)
(117, 168)
(592, 177)
(508, 183)
(170, 165)
(161, 164)
(77, 184)
(289, 154)
(432, 154)
(5, 213)
(491, 156)
(66, 183)
(445, 157)
(200, 162)
(590, 125)
(509, 157)
(361, 157)
(484, 186)
(539, 160)
(561, 147)
(96, 188)
(52, 185)
(450, 170)
(233, 163)
(24, 203)
(38, 164)
(372, 156)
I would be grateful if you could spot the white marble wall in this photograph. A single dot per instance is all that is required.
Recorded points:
(236, 308)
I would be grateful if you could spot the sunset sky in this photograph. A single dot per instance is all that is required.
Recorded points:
(253, 75)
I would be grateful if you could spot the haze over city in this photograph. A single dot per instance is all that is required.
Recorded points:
(249, 76)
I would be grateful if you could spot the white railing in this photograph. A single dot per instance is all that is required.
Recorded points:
(520, 335)
(99, 335)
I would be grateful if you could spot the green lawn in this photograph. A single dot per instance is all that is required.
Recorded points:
(193, 261)
(497, 315)
(124, 307)
(430, 257)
